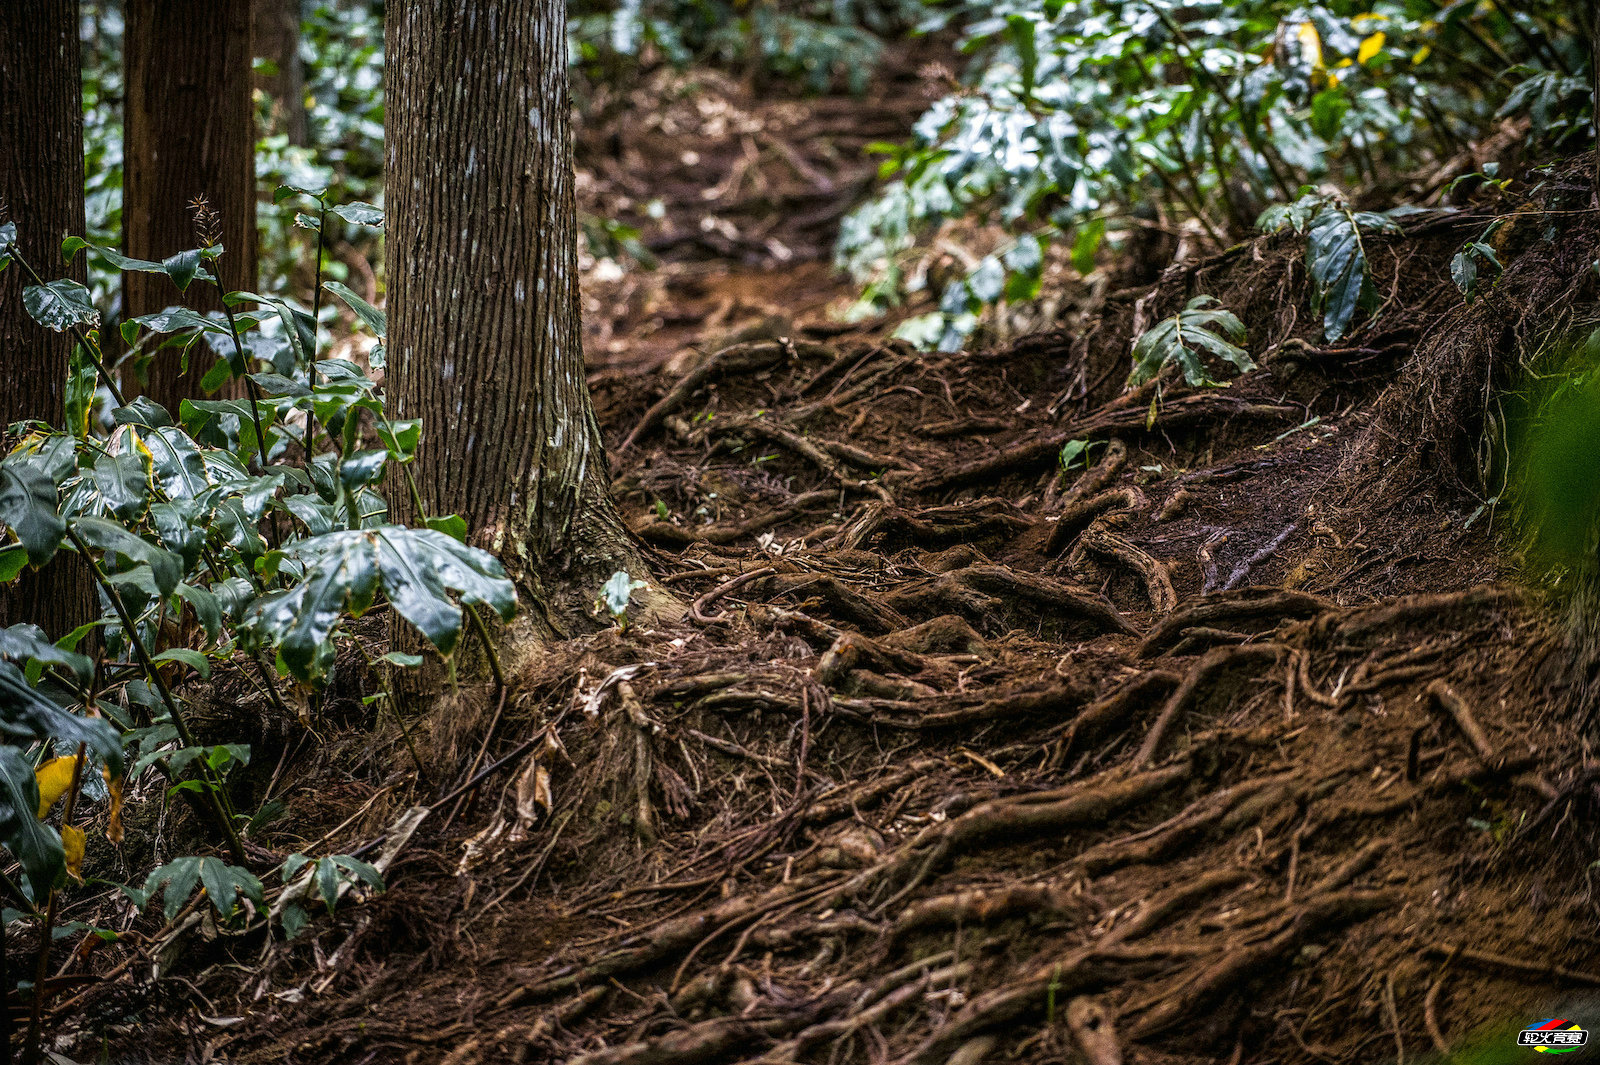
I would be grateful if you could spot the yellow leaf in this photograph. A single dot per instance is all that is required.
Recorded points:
(55, 777)
(1310, 44)
(1370, 48)
(114, 823)
(72, 847)
(1421, 55)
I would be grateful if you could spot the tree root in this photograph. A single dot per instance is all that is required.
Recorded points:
(1031, 815)
(1210, 664)
(1078, 513)
(665, 534)
(738, 358)
(883, 526)
(1154, 844)
(1241, 964)
(1040, 449)
(955, 710)
(821, 454)
(1451, 703)
(1099, 540)
(1257, 606)
(981, 592)
(664, 941)
(1103, 714)
(984, 906)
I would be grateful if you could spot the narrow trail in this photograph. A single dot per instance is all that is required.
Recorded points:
(1207, 752)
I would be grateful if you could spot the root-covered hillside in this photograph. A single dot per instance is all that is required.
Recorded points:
(1240, 741)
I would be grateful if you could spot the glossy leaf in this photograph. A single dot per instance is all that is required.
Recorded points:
(28, 506)
(1201, 328)
(36, 847)
(60, 305)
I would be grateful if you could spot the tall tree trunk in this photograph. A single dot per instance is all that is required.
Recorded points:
(485, 342)
(189, 130)
(41, 183)
(276, 33)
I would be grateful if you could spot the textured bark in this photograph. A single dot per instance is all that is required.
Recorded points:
(41, 182)
(485, 344)
(189, 131)
(275, 29)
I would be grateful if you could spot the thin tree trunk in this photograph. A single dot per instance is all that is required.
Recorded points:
(485, 343)
(41, 182)
(189, 130)
(276, 32)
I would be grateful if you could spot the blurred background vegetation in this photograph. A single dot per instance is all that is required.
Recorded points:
(1066, 129)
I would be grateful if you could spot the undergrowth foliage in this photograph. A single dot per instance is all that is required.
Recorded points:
(1080, 119)
(242, 531)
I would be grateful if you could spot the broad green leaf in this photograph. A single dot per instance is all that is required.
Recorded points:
(342, 575)
(224, 885)
(13, 560)
(26, 644)
(376, 320)
(36, 847)
(1337, 260)
(27, 715)
(143, 411)
(122, 546)
(401, 437)
(191, 658)
(182, 267)
(360, 213)
(618, 591)
(28, 506)
(452, 525)
(362, 468)
(124, 483)
(1199, 328)
(207, 608)
(177, 462)
(283, 192)
(60, 305)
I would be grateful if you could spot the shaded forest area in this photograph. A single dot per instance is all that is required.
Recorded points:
(688, 532)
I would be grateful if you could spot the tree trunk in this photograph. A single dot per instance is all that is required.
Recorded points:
(276, 32)
(485, 342)
(41, 183)
(189, 130)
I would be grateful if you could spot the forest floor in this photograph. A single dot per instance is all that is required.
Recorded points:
(1237, 746)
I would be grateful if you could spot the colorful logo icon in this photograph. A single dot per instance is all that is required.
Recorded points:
(1553, 1036)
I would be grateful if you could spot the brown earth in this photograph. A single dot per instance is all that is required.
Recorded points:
(1232, 748)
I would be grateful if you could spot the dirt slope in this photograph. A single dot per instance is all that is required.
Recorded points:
(1212, 752)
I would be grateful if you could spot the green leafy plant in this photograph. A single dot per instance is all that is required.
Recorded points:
(1202, 327)
(1076, 116)
(1336, 254)
(324, 878)
(616, 594)
(240, 533)
(1473, 259)
(225, 885)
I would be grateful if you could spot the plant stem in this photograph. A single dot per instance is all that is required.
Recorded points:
(251, 388)
(41, 965)
(316, 311)
(394, 708)
(89, 349)
(214, 791)
(488, 644)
